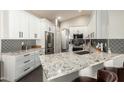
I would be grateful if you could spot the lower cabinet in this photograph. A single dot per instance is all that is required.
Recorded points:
(118, 61)
(37, 59)
(108, 63)
(91, 71)
(17, 66)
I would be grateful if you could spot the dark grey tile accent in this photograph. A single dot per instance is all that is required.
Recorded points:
(12, 45)
(116, 45)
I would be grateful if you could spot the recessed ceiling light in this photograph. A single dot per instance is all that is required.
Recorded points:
(59, 17)
(79, 11)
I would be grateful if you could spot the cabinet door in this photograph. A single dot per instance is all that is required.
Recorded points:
(39, 27)
(14, 24)
(102, 24)
(108, 63)
(1, 24)
(18, 24)
(34, 27)
(37, 59)
(32, 24)
(37, 34)
(24, 25)
(118, 61)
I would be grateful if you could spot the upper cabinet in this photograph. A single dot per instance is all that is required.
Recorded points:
(34, 27)
(98, 25)
(91, 27)
(101, 24)
(116, 24)
(1, 24)
(22, 25)
(15, 24)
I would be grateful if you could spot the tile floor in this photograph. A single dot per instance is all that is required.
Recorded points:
(34, 76)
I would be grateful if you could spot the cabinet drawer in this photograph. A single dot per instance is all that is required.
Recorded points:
(20, 71)
(23, 63)
(25, 56)
(24, 60)
(23, 72)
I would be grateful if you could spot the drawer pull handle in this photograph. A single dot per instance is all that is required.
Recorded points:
(26, 55)
(27, 69)
(27, 61)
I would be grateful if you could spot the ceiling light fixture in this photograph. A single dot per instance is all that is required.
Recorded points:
(79, 11)
(59, 17)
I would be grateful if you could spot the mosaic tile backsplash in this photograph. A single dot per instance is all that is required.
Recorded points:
(116, 45)
(94, 42)
(12, 45)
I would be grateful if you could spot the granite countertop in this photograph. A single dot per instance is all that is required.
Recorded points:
(56, 65)
(22, 51)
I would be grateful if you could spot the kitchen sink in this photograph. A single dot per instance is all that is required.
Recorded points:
(82, 52)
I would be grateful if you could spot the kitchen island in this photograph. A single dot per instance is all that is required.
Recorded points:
(63, 64)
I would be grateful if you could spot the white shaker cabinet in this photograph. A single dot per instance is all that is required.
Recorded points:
(102, 24)
(38, 28)
(108, 63)
(37, 58)
(15, 24)
(1, 24)
(19, 25)
(17, 66)
(118, 61)
(34, 27)
(6, 24)
(22, 25)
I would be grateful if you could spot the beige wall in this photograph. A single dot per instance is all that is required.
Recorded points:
(78, 21)
(76, 25)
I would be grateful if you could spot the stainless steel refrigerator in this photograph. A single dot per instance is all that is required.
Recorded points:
(49, 42)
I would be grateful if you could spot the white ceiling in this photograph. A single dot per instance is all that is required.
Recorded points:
(64, 14)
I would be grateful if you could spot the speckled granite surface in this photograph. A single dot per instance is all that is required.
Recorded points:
(56, 65)
(16, 53)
